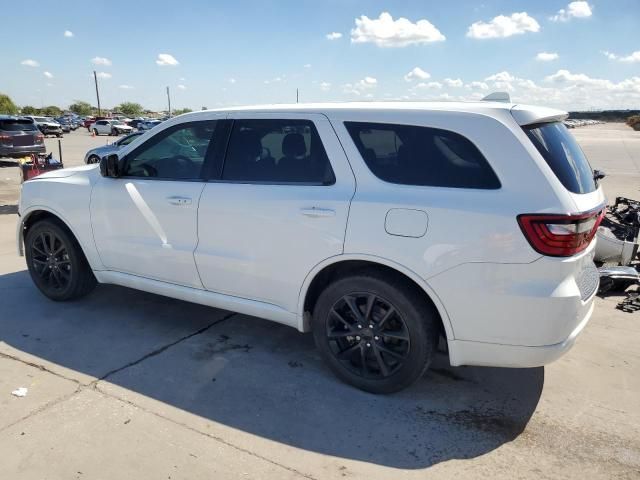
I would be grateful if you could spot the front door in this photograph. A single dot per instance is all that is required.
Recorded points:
(145, 222)
(277, 208)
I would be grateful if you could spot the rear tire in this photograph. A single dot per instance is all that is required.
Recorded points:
(95, 132)
(375, 332)
(56, 262)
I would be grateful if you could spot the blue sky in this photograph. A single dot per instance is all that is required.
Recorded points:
(246, 52)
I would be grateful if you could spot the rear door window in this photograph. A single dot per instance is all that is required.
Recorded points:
(563, 155)
(424, 156)
(277, 151)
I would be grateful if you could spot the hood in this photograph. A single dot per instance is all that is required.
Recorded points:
(64, 172)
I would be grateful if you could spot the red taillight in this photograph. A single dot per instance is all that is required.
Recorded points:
(39, 138)
(560, 235)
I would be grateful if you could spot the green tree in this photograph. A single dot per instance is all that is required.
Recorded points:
(6, 105)
(29, 110)
(81, 108)
(180, 111)
(51, 111)
(130, 108)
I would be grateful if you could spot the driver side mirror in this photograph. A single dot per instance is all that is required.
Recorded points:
(109, 166)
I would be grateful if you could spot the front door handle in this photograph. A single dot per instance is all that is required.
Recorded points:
(318, 212)
(178, 200)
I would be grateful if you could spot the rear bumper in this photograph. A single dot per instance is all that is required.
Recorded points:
(517, 315)
(462, 352)
(21, 151)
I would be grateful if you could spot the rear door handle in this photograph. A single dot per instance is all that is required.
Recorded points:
(178, 200)
(318, 212)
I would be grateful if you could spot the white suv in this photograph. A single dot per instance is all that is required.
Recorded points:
(110, 127)
(378, 227)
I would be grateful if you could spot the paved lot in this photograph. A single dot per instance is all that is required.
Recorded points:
(124, 384)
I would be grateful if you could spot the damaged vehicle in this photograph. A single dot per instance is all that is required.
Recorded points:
(378, 227)
(618, 233)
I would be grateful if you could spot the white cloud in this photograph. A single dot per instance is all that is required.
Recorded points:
(47, 74)
(101, 61)
(477, 85)
(384, 31)
(325, 86)
(125, 87)
(307, 65)
(430, 85)
(232, 81)
(631, 58)
(182, 79)
(50, 85)
(164, 59)
(182, 87)
(417, 73)
(274, 80)
(29, 63)
(546, 56)
(502, 26)
(361, 86)
(104, 75)
(573, 10)
(453, 82)
(333, 36)
(68, 33)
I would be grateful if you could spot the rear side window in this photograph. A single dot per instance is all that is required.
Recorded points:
(277, 151)
(413, 155)
(563, 155)
(17, 125)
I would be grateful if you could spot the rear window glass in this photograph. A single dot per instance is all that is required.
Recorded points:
(413, 155)
(17, 125)
(563, 155)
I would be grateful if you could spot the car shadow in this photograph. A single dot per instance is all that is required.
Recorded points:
(266, 379)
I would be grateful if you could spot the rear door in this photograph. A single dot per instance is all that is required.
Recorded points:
(275, 208)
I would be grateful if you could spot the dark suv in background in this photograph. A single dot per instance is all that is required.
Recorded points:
(20, 136)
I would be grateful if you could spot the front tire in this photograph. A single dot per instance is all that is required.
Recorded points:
(375, 332)
(56, 262)
(95, 132)
(93, 159)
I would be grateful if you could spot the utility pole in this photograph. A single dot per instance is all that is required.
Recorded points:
(95, 79)
(297, 95)
(169, 100)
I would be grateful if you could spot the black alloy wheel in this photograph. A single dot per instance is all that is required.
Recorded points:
(368, 335)
(50, 260)
(56, 262)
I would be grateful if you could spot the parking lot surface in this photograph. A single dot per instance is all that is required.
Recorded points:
(125, 384)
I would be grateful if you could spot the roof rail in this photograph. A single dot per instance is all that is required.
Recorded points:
(498, 97)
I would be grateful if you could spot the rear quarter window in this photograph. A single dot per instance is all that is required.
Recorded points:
(563, 155)
(423, 156)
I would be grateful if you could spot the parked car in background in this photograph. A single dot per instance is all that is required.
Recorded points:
(65, 124)
(148, 124)
(47, 126)
(135, 122)
(20, 136)
(110, 127)
(89, 121)
(95, 154)
(379, 227)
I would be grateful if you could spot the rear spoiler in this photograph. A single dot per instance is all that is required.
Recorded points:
(528, 114)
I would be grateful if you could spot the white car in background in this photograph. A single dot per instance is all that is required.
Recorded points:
(379, 227)
(110, 127)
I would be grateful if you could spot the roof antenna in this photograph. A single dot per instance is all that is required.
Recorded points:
(498, 97)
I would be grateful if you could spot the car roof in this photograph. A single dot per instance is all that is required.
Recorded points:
(524, 114)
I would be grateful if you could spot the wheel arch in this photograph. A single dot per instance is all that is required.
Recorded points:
(337, 266)
(37, 213)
